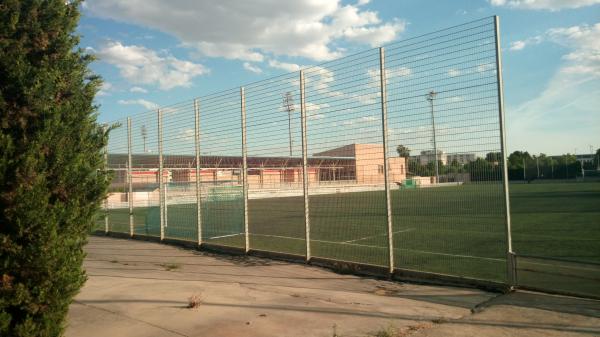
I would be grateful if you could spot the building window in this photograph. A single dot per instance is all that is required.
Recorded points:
(380, 169)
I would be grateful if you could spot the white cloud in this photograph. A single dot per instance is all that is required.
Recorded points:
(521, 44)
(285, 66)
(584, 41)
(375, 35)
(561, 117)
(481, 68)
(141, 65)
(390, 75)
(250, 30)
(313, 110)
(252, 68)
(564, 114)
(146, 104)
(138, 90)
(517, 45)
(552, 5)
(104, 89)
(453, 72)
(397, 72)
(187, 135)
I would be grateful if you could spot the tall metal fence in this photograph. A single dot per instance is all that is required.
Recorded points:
(391, 158)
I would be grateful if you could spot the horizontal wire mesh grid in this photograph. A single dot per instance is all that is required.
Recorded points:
(443, 119)
(438, 106)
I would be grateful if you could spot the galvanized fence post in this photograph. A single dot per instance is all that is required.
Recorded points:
(106, 212)
(160, 176)
(386, 178)
(511, 263)
(304, 165)
(244, 168)
(198, 181)
(129, 177)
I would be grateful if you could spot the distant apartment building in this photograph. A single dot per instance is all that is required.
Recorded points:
(428, 156)
(461, 158)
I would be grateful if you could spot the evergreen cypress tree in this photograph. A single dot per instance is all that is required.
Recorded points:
(51, 164)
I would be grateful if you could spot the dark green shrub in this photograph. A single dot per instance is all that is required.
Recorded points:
(51, 164)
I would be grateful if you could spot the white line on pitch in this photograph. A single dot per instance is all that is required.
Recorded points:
(374, 236)
(382, 247)
(224, 236)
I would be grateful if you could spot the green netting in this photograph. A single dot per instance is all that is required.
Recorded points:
(223, 216)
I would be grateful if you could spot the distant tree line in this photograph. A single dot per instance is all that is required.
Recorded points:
(521, 166)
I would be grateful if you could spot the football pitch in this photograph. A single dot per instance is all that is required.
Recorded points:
(456, 230)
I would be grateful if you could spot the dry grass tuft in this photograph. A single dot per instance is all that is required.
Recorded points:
(194, 301)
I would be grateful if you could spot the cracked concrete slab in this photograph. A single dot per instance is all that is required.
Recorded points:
(138, 288)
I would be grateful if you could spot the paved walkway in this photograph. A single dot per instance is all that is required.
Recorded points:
(138, 288)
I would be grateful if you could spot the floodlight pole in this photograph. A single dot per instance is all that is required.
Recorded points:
(431, 97)
(304, 165)
(244, 169)
(129, 177)
(511, 261)
(386, 177)
(288, 102)
(198, 176)
(144, 133)
(537, 162)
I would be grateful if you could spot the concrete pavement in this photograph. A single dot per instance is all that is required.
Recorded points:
(138, 288)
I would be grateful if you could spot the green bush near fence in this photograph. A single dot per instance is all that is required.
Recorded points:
(51, 164)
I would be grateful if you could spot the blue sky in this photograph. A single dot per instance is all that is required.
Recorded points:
(156, 53)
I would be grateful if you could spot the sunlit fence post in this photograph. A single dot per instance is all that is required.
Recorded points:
(161, 187)
(106, 213)
(510, 256)
(197, 175)
(129, 177)
(244, 169)
(304, 165)
(384, 127)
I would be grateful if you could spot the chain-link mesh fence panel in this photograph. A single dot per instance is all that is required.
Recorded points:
(444, 126)
(144, 174)
(345, 163)
(556, 235)
(274, 157)
(179, 163)
(429, 125)
(118, 163)
(221, 174)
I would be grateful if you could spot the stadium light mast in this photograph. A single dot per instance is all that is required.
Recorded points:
(431, 97)
(288, 105)
(144, 133)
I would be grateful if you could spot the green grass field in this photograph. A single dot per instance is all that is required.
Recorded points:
(455, 230)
